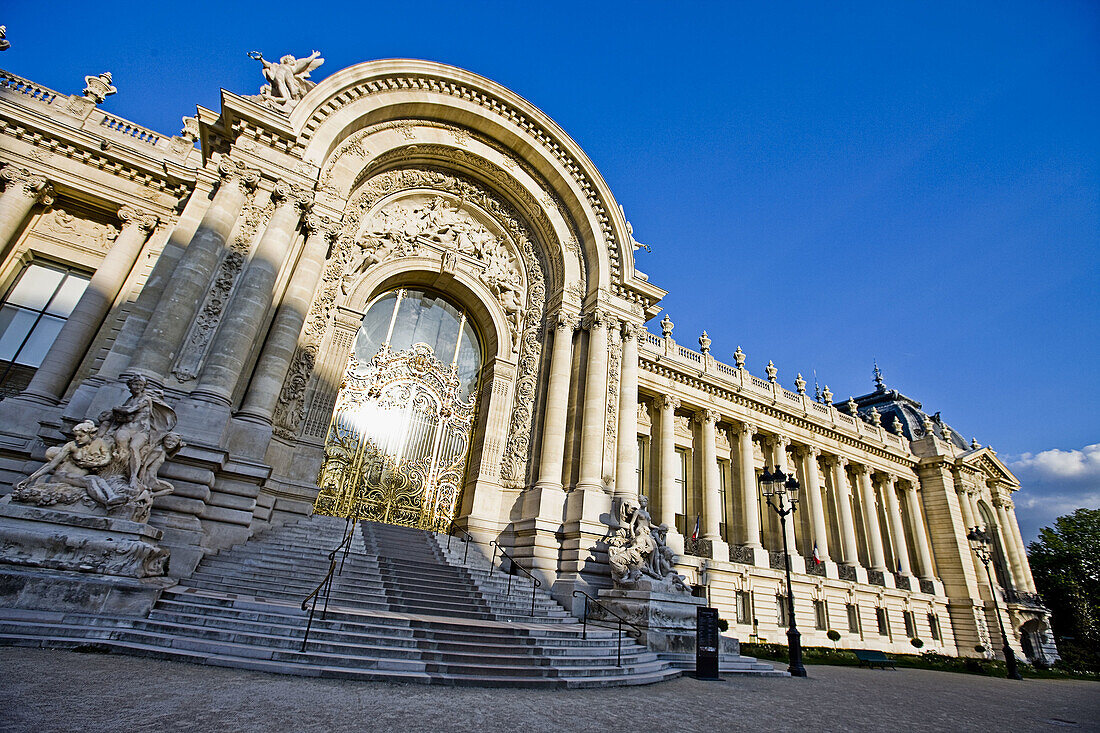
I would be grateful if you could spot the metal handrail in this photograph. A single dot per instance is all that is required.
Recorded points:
(326, 582)
(466, 537)
(535, 583)
(584, 624)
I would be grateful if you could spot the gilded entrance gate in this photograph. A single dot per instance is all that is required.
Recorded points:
(400, 433)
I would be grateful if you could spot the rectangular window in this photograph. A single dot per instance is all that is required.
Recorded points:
(821, 616)
(910, 624)
(853, 619)
(33, 312)
(934, 626)
(883, 622)
(743, 602)
(781, 612)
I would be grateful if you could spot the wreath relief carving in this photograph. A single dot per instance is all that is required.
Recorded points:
(429, 213)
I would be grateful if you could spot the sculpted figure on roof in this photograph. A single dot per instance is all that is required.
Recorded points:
(288, 80)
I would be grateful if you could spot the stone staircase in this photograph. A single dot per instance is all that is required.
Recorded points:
(404, 608)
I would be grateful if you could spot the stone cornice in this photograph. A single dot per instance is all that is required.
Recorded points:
(744, 399)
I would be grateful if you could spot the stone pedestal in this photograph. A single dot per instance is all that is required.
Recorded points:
(667, 619)
(62, 560)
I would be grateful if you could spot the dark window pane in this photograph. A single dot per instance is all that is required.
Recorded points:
(42, 337)
(16, 324)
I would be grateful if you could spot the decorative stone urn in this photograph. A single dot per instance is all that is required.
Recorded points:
(74, 534)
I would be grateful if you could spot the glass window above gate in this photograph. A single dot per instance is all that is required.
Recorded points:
(405, 317)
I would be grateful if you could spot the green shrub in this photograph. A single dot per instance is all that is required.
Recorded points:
(917, 643)
(723, 625)
(834, 635)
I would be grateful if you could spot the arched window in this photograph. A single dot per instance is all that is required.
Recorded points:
(400, 433)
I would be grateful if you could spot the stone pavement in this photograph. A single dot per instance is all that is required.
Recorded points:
(48, 690)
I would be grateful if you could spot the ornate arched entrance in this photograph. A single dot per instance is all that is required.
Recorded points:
(399, 439)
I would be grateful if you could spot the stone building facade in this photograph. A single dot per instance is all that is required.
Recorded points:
(237, 266)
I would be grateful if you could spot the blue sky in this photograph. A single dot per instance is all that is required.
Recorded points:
(822, 184)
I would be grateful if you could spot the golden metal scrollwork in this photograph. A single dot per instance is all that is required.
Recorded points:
(398, 441)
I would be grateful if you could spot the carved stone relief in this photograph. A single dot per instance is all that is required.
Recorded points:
(614, 359)
(72, 229)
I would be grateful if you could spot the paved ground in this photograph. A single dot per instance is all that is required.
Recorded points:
(43, 690)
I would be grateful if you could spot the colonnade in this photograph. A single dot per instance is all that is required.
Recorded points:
(875, 536)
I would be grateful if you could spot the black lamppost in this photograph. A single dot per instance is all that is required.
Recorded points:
(980, 542)
(785, 490)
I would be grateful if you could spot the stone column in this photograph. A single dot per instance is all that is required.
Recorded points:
(557, 404)
(1008, 542)
(590, 477)
(251, 301)
(22, 191)
(849, 546)
(712, 482)
(815, 501)
(897, 527)
(920, 533)
(171, 319)
(780, 458)
(63, 357)
(1021, 552)
(670, 466)
(626, 463)
(750, 497)
(282, 339)
(969, 518)
(870, 514)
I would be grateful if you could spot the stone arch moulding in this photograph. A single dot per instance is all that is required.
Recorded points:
(402, 89)
(350, 279)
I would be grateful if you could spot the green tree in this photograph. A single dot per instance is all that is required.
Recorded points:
(1065, 562)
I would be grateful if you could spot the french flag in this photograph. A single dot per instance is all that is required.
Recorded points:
(817, 559)
(695, 532)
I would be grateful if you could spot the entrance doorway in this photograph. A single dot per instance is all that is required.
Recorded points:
(399, 439)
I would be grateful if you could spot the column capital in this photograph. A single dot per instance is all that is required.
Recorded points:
(744, 426)
(668, 402)
(631, 330)
(132, 216)
(566, 322)
(236, 173)
(286, 192)
(32, 185)
(807, 451)
(322, 226)
(862, 469)
(598, 319)
(708, 415)
(782, 441)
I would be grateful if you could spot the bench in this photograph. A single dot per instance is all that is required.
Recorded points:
(872, 658)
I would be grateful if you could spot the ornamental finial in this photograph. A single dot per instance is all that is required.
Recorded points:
(880, 386)
(704, 343)
(666, 326)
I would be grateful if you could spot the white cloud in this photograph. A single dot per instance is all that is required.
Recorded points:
(1055, 463)
(1054, 483)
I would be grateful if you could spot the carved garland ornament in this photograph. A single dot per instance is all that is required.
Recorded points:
(290, 410)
